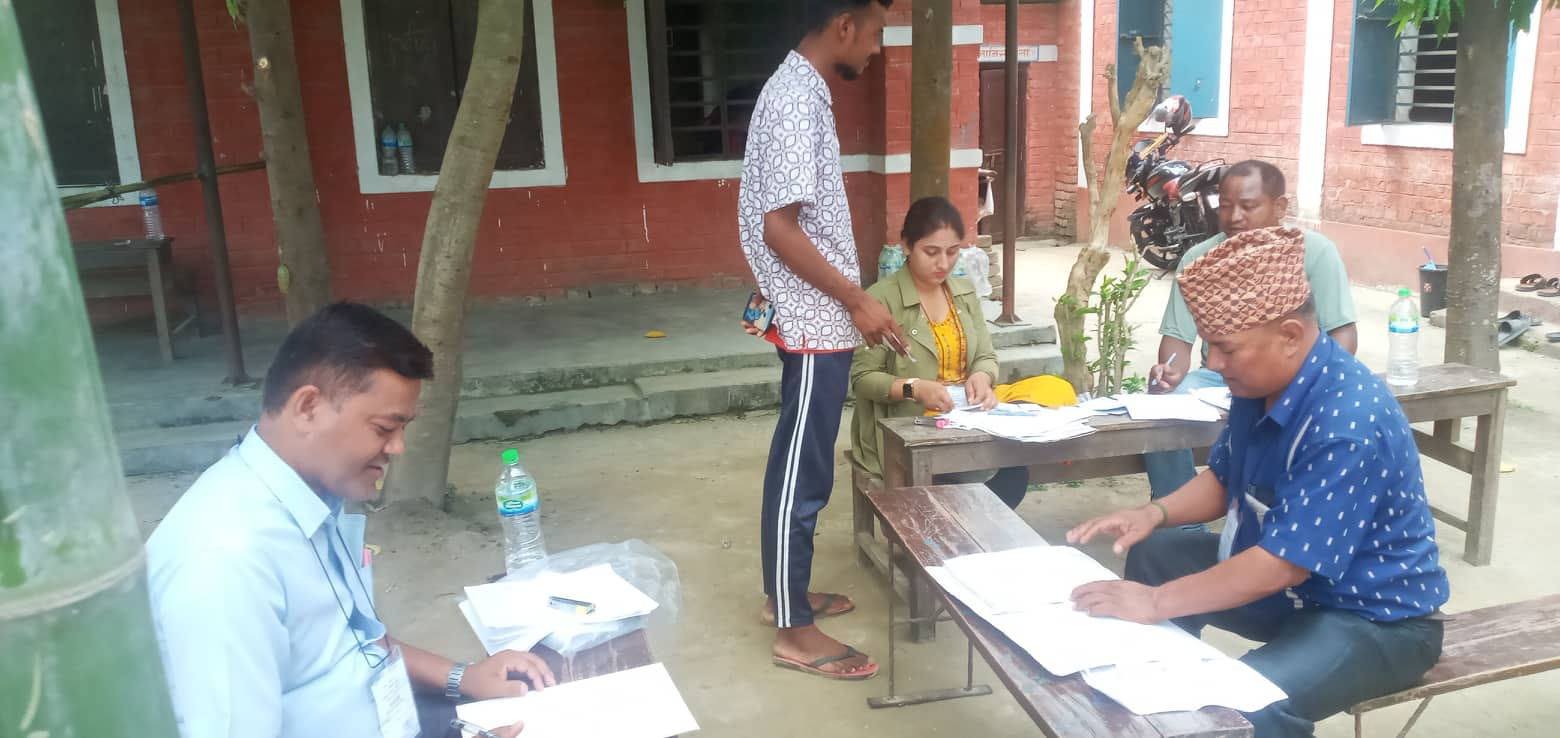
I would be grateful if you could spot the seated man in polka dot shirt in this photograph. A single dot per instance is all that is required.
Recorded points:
(1328, 552)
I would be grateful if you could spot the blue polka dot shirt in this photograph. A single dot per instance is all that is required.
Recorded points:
(1329, 480)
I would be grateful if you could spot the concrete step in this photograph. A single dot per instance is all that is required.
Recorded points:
(494, 381)
(645, 400)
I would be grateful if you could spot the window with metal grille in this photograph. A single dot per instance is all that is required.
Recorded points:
(419, 53)
(1426, 75)
(709, 59)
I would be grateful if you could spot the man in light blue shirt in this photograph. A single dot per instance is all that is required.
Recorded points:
(262, 589)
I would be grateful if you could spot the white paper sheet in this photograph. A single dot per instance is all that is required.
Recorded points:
(1021, 579)
(1066, 641)
(1038, 425)
(1104, 406)
(1218, 397)
(1185, 685)
(960, 400)
(1168, 407)
(635, 703)
(500, 639)
(506, 605)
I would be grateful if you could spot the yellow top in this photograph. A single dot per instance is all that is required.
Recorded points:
(949, 335)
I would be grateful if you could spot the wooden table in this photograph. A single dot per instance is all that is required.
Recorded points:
(627, 651)
(932, 524)
(135, 267)
(1446, 393)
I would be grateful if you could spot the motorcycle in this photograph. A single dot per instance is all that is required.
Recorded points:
(1180, 201)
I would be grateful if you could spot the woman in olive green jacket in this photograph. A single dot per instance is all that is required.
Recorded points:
(948, 340)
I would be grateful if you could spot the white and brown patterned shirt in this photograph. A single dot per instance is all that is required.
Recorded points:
(793, 156)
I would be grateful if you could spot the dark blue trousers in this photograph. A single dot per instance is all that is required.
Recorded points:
(1325, 659)
(800, 475)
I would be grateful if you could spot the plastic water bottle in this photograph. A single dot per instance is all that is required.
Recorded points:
(389, 161)
(890, 260)
(519, 513)
(403, 147)
(151, 215)
(1403, 334)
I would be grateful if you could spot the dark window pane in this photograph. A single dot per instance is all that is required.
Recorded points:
(65, 59)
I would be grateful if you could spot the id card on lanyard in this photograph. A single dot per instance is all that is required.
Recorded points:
(1252, 491)
(393, 700)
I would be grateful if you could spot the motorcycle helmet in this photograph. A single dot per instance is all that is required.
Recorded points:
(1176, 115)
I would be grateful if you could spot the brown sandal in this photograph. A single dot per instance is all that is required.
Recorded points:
(1531, 283)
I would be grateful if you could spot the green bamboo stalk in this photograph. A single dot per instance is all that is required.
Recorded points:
(78, 655)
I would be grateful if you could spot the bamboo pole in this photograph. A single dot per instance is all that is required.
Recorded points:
(80, 657)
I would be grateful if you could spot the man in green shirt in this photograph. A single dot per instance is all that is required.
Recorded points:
(1251, 196)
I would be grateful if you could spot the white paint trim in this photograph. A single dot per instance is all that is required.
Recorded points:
(1439, 135)
(1316, 88)
(1219, 125)
(364, 135)
(962, 35)
(1085, 75)
(1557, 224)
(116, 84)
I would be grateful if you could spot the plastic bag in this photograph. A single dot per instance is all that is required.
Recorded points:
(976, 267)
(650, 571)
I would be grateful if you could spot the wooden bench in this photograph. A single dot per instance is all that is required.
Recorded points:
(137, 267)
(1491, 644)
(932, 524)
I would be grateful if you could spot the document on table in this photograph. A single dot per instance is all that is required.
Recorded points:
(1148, 688)
(1218, 397)
(1104, 406)
(635, 703)
(1066, 641)
(501, 639)
(1168, 407)
(1041, 425)
(1021, 579)
(509, 604)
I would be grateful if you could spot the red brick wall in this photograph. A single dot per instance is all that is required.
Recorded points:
(604, 227)
(1409, 189)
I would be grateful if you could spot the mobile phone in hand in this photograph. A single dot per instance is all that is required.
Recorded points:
(759, 312)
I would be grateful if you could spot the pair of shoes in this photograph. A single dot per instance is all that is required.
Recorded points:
(1540, 285)
(1513, 324)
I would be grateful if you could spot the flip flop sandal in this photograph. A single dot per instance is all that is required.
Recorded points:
(1511, 325)
(1530, 283)
(1551, 288)
(1552, 337)
(815, 667)
(826, 611)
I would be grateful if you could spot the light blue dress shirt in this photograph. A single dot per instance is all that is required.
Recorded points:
(262, 599)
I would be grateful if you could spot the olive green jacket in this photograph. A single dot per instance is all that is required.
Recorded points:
(873, 370)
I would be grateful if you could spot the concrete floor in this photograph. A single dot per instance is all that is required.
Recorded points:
(691, 489)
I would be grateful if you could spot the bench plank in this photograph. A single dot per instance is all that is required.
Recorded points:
(1488, 645)
(937, 523)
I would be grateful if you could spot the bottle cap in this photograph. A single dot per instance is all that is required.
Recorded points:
(1403, 292)
(511, 456)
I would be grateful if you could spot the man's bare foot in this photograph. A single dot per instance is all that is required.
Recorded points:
(824, 605)
(807, 645)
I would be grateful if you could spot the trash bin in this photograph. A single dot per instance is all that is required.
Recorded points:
(1432, 289)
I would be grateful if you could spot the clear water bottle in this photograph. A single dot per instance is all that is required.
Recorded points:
(389, 161)
(1403, 334)
(151, 215)
(520, 514)
(403, 147)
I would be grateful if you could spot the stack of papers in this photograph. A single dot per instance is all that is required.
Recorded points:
(516, 615)
(1169, 407)
(1026, 594)
(1030, 424)
(1218, 397)
(634, 703)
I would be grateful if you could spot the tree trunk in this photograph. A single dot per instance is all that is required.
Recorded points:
(304, 274)
(931, 97)
(1479, 136)
(79, 652)
(444, 269)
(1104, 193)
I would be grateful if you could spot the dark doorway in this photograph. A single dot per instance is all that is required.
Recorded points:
(993, 122)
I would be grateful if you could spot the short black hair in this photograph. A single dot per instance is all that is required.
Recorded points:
(817, 13)
(337, 349)
(1272, 177)
(929, 215)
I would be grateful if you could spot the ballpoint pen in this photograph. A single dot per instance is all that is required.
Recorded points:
(462, 726)
(1155, 381)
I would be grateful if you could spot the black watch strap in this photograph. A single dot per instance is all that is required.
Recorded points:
(908, 389)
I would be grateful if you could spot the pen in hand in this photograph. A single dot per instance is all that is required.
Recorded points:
(461, 726)
(900, 347)
(1155, 381)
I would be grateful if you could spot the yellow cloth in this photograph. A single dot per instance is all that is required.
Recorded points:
(1047, 390)
(949, 335)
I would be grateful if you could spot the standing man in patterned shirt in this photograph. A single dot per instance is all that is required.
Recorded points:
(796, 233)
(1328, 554)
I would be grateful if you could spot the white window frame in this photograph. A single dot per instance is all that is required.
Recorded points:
(116, 83)
(644, 145)
(553, 173)
(1219, 125)
(1439, 135)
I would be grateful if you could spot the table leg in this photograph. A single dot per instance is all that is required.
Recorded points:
(1485, 488)
(154, 277)
(862, 521)
(894, 698)
(1448, 430)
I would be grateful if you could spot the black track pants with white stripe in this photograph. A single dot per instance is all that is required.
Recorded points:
(800, 475)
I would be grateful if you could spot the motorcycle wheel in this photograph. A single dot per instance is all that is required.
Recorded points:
(1160, 257)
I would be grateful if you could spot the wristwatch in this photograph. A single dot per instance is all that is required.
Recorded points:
(452, 682)
(908, 389)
